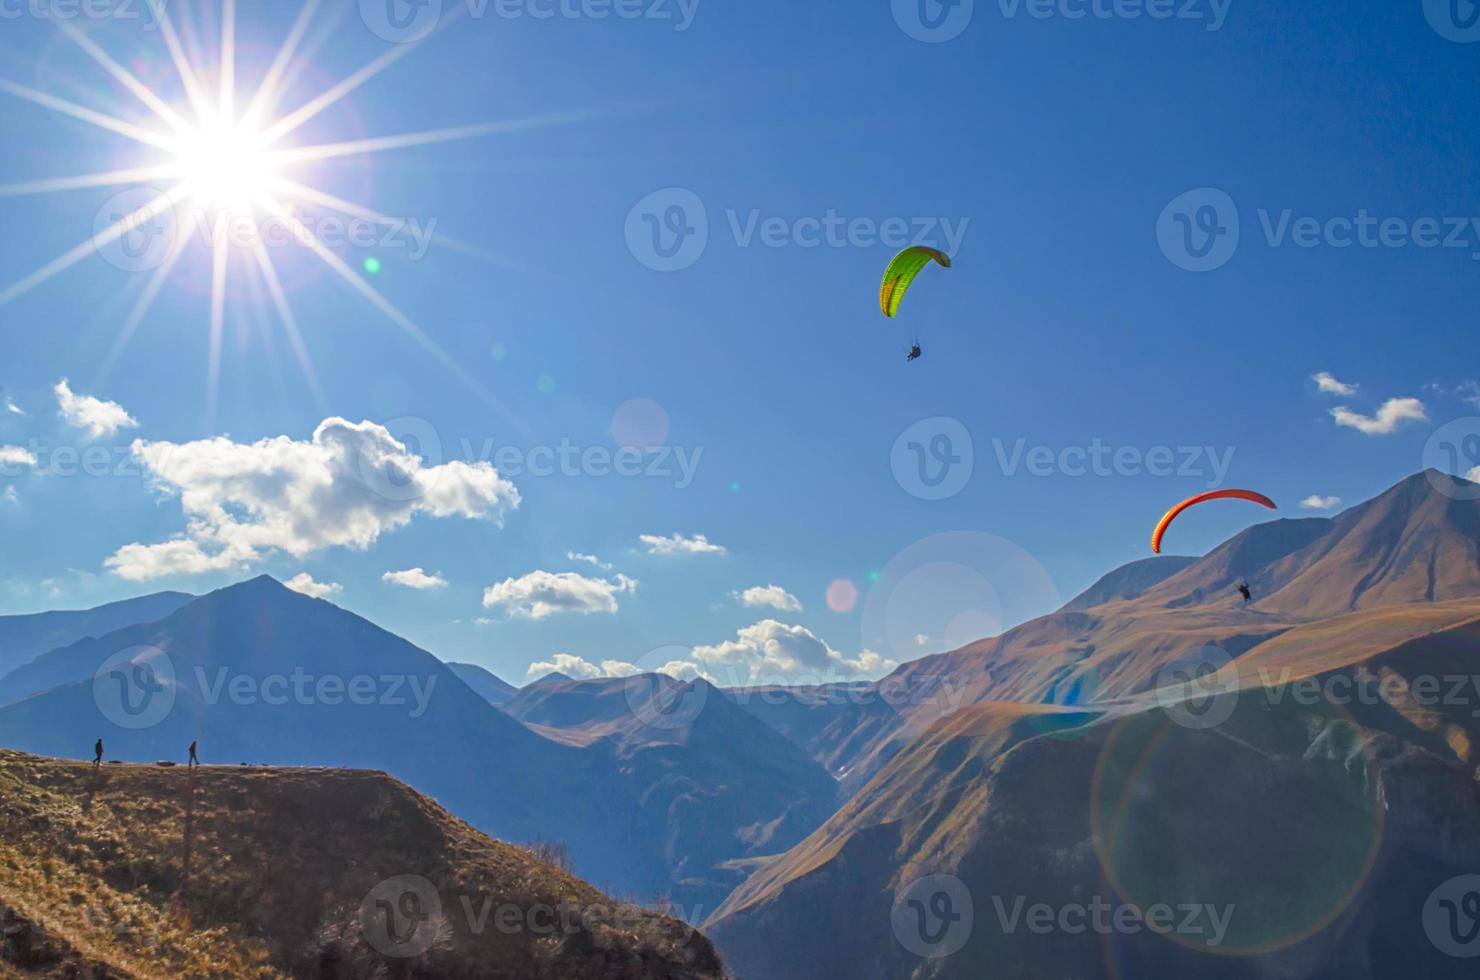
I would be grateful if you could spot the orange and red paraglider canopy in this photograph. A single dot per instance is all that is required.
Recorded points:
(1171, 515)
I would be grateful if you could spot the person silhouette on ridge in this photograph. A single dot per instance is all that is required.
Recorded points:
(98, 754)
(194, 759)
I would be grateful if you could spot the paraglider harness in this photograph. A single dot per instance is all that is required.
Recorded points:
(915, 353)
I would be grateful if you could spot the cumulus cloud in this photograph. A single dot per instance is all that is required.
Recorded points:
(13, 456)
(773, 596)
(589, 560)
(1327, 384)
(8, 405)
(541, 594)
(10, 496)
(1393, 413)
(679, 545)
(100, 418)
(1317, 502)
(581, 669)
(772, 652)
(303, 582)
(344, 487)
(415, 578)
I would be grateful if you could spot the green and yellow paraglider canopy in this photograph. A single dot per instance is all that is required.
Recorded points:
(903, 270)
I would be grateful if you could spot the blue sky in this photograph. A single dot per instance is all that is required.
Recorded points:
(1055, 142)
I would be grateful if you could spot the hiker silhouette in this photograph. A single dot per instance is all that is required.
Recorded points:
(98, 754)
(194, 759)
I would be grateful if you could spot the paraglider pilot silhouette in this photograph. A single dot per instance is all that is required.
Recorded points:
(914, 353)
(1244, 591)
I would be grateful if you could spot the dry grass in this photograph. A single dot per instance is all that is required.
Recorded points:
(279, 862)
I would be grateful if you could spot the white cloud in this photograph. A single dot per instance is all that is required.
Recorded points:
(921, 639)
(541, 594)
(773, 596)
(415, 578)
(1328, 385)
(581, 669)
(10, 496)
(10, 407)
(771, 652)
(344, 488)
(679, 545)
(303, 582)
(1393, 413)
(685, 671)
(100, 418)
(16, 456)
(1317, 502)
(588, 559)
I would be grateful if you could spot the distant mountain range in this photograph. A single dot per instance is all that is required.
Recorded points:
(24, 638)
(1073, 774)
(1051, 764)
(258, 673)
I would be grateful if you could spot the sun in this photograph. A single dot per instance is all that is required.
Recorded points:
(225, 164)
(227, 150)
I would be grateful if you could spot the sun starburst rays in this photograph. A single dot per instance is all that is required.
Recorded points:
(226, 153)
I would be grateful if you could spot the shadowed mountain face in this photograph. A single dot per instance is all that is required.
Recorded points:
(24, 638)
(716, 787)
(492, 688)
(1313, 821)
(225, 872)
(261, 674)
(1292, 834)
